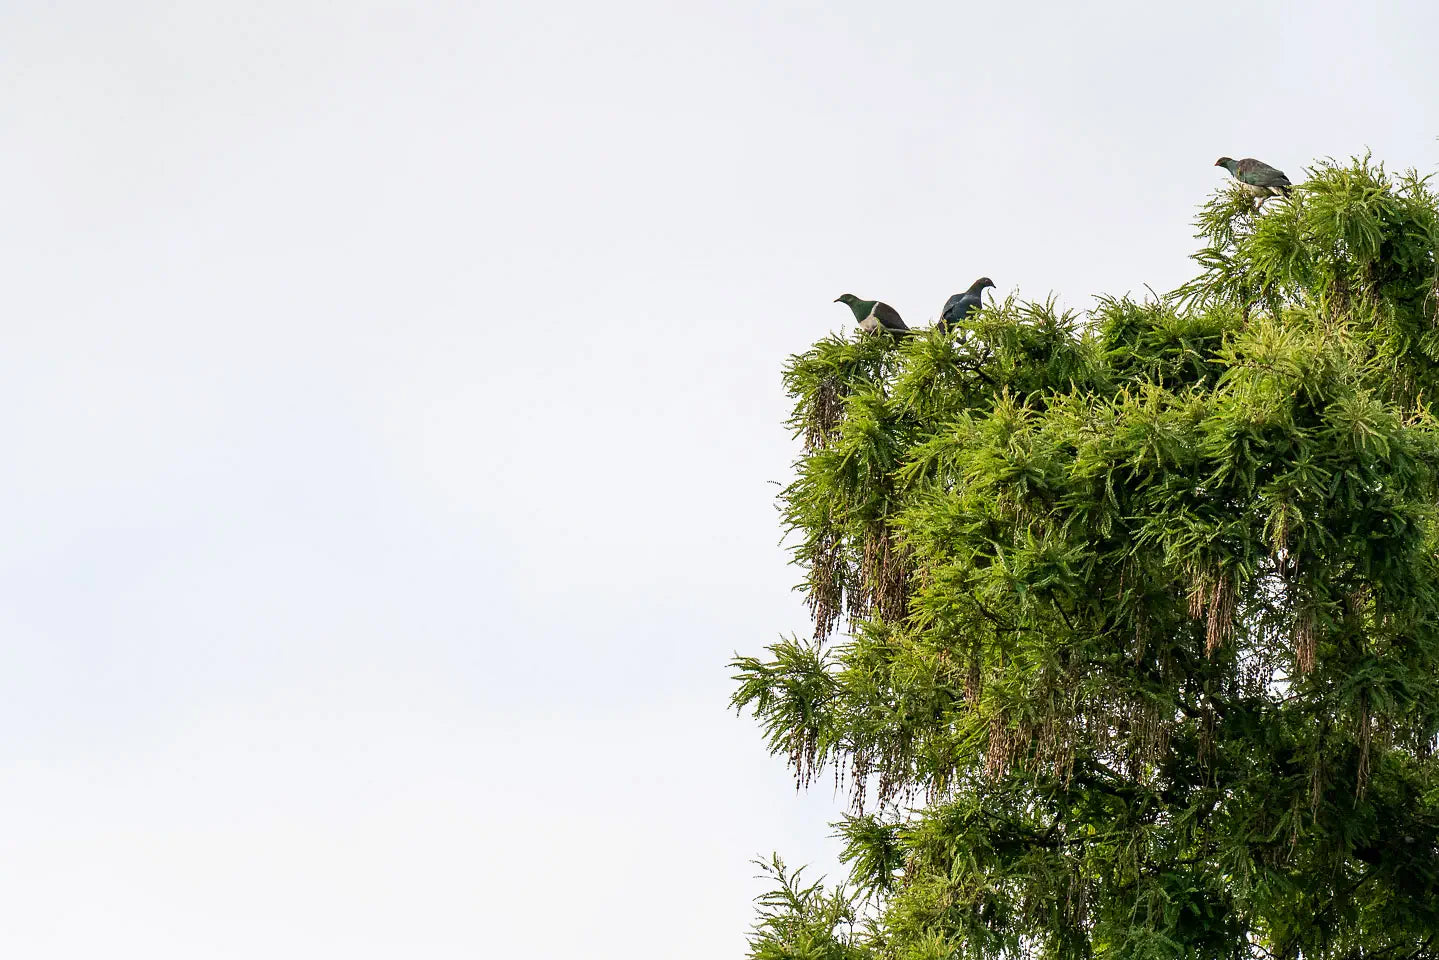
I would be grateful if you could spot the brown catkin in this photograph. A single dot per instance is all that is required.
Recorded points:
(821, 425)
(1305, 644)
(1221, 614)
(885, 571)
(826, 582)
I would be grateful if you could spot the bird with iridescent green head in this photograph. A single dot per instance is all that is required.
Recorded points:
(1257, 178)
(873, 315)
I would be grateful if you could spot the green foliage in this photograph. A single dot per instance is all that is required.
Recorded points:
(1143, 606)
(798, 922)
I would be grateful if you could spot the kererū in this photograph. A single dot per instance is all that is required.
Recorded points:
(1257, 177)
(872, 315)
(958, 307)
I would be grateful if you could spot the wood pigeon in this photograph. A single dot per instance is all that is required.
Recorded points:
(958, 307)
(872, 315)
(1257, 177)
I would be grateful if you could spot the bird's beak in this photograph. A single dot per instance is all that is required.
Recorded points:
(836, 299)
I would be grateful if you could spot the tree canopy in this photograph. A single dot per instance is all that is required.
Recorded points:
(1126, 624)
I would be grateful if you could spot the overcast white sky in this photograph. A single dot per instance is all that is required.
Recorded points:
(391, 399)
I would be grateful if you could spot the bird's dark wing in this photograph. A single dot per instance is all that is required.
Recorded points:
(1261, 174)
(888, 317)
(960, 306)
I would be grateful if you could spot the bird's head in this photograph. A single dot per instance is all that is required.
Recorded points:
(847, 298)
(981, 283)
(1225, 162)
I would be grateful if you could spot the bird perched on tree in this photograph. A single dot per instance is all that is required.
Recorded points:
(872, 315)
(1257, 177)
(958, 307)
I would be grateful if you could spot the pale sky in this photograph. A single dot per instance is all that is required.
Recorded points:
(392, 407)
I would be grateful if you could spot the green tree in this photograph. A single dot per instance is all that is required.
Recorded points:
(1127, 625)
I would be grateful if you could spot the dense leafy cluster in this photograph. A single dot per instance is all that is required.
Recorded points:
(1127, 624)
